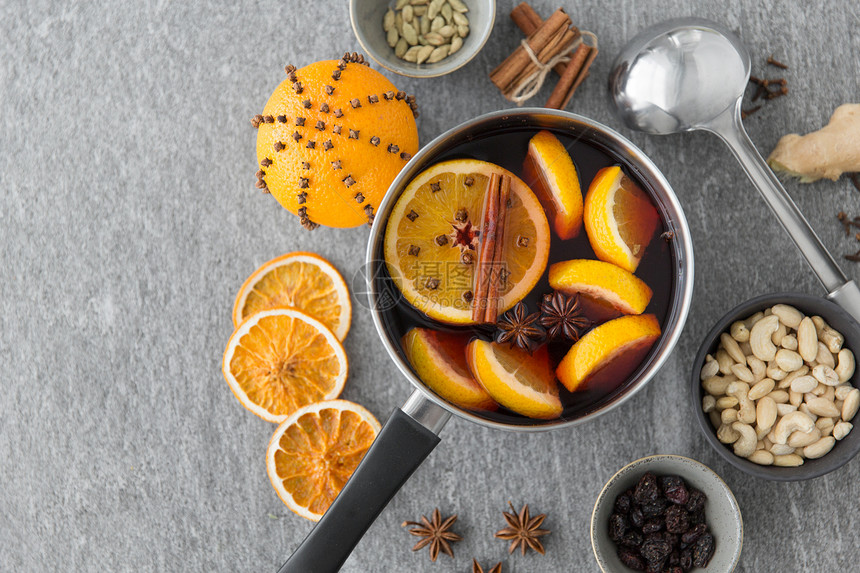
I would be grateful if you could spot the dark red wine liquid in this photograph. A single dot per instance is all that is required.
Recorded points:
(657, 269)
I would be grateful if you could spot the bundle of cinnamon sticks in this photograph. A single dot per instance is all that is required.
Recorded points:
(546, 39)
(490, 272)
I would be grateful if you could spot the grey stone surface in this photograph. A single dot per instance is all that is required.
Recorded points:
(128, 219)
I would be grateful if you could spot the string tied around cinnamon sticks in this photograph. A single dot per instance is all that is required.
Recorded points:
(531, 85)
(554, 43)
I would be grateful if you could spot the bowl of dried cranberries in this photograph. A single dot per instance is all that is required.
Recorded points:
(667, 514)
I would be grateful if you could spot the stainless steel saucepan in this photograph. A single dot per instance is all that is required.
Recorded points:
(412, 431)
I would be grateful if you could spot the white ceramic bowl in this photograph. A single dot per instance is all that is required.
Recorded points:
(721, 510)
(366, 18)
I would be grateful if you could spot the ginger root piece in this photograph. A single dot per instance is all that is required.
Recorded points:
(828, 152)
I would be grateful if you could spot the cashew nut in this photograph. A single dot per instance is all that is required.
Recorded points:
(780, 331)
(745, 348)
(728, 416)
(795, 398)
(739, 331)
(727, 435)
(789, 342)
(788, 460)
(779, 396)
(822, 407)
(761, 389)
(781, 449)
(831, 339)
(708, 403)
(824, 356)
(757, 367)
(825, 375)
(845, 368)
(716, 385)
(820, 389)
(724, 361)
(825, 426)
(746, 408)
(743, 373)
(807, 340)
(730, 345)
(804, 384)
(751, 321)
(841, 430)
(820, 325)
(783, 409)
(745, 445)
(843, 390)
(819, 448)
(761, 457)
(788, 315)
(788, 360)
(803, 439)
(765, 413)
(711, 368)
(791, 422)
(805, 409)
(786, 382)
(725, 403)
(775, 372)
(760, 342)
(851, 405)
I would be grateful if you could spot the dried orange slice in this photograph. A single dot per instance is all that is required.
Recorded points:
(304, 281)
(439, 359)
(522, 383)
(281, 359)
(314, 452)
(603, 281)
(433, 238)
(620, 219)
(609, 353)
(552, 175)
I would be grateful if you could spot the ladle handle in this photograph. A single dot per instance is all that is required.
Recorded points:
(398, 450)
(729, 127)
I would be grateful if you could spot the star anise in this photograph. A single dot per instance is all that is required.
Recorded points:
(435, 534)
(562, 316)
(518, 328)
(522, 530)
(476, 567)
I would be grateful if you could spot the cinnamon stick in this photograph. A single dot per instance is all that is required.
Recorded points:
(505, 73)
(492, 311)
(528, 20)
(483, 272)
(577, 69)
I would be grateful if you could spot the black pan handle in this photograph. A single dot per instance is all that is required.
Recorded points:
(397, 451)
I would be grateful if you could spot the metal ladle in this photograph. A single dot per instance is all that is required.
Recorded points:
(689, 74)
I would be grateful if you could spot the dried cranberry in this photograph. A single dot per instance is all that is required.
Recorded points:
(687, 559)
(654, 568)
(672, 539)
(703, 550)
(654, 508)
(655, 550)
(652, 526)
(675, 489)
(631, 560)
(694, 533)
(696, 503)
(637, 518)
(617, 526)
(646, 490)
(622, 503)
(697, 518)
(677, 520)
(674, 569)
(632, 539)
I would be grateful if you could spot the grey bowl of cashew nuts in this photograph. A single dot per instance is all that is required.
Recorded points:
(833, 421)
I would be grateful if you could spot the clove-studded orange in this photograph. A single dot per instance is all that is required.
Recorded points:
(330, 140)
